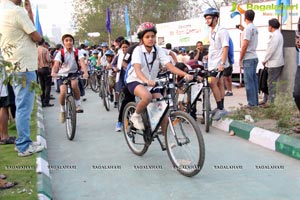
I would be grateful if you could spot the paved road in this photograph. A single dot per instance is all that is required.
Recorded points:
(80, 168)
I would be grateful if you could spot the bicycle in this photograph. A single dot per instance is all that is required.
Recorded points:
(70, 107)
(183, 137)
(194, 90)
(95, 80)
(104, 90)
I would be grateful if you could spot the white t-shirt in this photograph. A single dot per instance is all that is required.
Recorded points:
(69, 65)
(142, 57)
(218, 39)
(15, 30)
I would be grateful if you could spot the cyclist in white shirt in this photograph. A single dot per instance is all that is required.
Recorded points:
(146, 58)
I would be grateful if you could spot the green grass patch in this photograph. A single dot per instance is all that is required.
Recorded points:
(11, 165)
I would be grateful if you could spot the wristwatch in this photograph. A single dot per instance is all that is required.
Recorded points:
(222, 63)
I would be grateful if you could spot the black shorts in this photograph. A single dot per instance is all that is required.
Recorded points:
(9, 100)
(227, 71)
(131, 86)
(72, 75)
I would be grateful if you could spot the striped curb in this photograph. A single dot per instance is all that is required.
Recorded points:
(274, 141)
(42, 169)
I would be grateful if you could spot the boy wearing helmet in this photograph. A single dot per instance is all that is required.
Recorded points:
(146, 58)
(67, 65)
(107, 64)
(217, 58)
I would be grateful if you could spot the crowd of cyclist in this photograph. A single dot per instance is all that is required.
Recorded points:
(146, 60)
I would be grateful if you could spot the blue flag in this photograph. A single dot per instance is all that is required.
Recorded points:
(284, 11)
(127, 23)
(108, 28)
(37, 22)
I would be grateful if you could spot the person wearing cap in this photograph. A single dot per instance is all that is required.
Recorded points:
(273, 59)
(146, 58)
(93, 58)
(107, 65)
(217, 59)
(67, 65)
(248, 60)
(182, 56)
(101, 57)
(17, 29)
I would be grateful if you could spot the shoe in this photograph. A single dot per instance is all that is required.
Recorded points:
(83, 99)
(261, 103)
(79, 109)
(47, 105)
(201, 120)
(9, 140)
(62, 117)
(265, 105)
(137, 121)
(6, 185)
(213, 112)
(118, 127)
(229, 94)
(219, 114)
(31, 150)
(52, 98)
(33, 144)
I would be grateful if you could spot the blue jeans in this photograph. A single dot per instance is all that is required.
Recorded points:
(24, 104)
(251, 81)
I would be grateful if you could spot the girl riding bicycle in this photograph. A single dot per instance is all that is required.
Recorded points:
(146, 58)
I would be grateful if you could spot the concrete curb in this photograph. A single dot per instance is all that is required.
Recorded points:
(44, 188)
(274, 141)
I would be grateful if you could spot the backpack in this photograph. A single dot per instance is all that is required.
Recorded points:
(62, 51)
(231, 52)
(263, 80)
(129, 61)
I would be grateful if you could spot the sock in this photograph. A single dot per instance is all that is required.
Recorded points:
(219, 105)
(222, 100)
(77, 102)
(62, 108)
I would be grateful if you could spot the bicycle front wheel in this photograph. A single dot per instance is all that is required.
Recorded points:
(206, 109)
(134, 138)
(70, 117)
(185, 144)
(93, 82)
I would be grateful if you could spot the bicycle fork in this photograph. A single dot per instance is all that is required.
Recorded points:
(186, 139)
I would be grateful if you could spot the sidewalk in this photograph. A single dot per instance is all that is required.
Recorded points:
(284, 144)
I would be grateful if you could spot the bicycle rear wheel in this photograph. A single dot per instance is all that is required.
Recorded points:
(185, 144)
(206, 109)
(134, 138)
(70, 117)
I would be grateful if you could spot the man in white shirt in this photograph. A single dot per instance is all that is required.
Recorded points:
(17, 30)
(274, 58)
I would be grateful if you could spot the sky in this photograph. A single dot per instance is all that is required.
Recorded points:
(54, 13)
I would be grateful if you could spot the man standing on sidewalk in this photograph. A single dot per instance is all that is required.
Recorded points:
(44, 74)
(248, 58)
(17, 29)
(274, 58)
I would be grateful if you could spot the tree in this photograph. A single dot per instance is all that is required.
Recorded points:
(89, 15)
